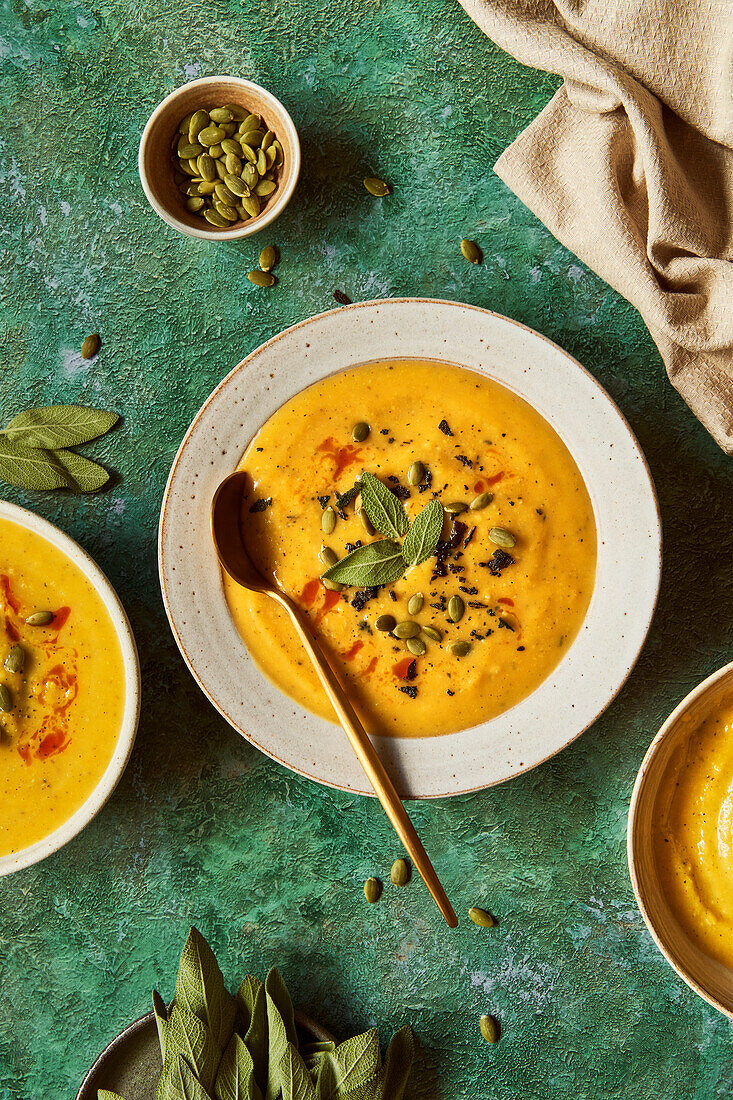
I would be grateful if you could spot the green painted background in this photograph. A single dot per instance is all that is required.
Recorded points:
(204, 829)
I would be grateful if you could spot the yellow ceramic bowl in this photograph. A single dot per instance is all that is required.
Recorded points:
(710, 979)
(131, 708)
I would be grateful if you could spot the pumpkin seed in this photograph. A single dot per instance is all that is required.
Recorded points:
(215, 218)
(471, 251)
(205, 165)
(231, 145)
(264, 278)
(489, 1029)
(328, 516)
(216, 151)
(372, 890)
(233, 164)
(189, 149)
(416, 473)
(416, 646)
(279, 154)
(248, 152)
(328, 556)
(456, 607)
(414, 604)
(268, 258)
(6, 699)
(242, 212)
(190, 168)
(220, 168)
(226, 210)
(386, 623)
(15, 659)
(481, 917)
(206, 187)
(221, 114)
(376, 187)
(254, 138)
(406, 630)
(195, 203)
(40, 618)
(252, 205)
(265, 188)
(365, 521)
(199, 119)
(90, 346)
(459, 649)
(237, 113)
(261, 162)
(267, 140)
(360, 431)
(251, 122)
(223, 193)
(456, 507)
(501, 537)
(271, 156)
(185, 123)
(237, 186)
(333, 586)
(481, 501)
(432, 633)
(400, 873)
(250, 175)
(211, 135)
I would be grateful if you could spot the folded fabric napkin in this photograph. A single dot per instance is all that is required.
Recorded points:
(630, 165)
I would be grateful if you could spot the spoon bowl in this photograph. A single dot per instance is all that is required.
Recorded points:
(226, 509)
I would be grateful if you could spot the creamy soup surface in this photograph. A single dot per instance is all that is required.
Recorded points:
(67, 700)
(693, 838)
(523, 605)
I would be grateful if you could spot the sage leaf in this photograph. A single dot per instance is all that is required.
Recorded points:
(280, 1031)
(358, 1059)
(235, 1078)
(376, 563)
(54, 426)
(30, 468)
(398, 1063)
(179, 1082)
(386, 512)
(161, 1019)
(422, 538)
(200, 988)
(187, 1036)
(294, 1078)
(277, 992)
(252, 1008)
(86, 476)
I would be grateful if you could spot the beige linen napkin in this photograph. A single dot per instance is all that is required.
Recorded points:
(630, 165)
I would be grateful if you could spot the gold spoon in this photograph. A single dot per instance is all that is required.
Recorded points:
(226, 532)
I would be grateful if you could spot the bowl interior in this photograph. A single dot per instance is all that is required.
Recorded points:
(157, 151)
(708, 977)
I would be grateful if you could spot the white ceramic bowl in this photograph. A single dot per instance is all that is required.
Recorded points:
(712, 980)
(55, 840)
(609, 458)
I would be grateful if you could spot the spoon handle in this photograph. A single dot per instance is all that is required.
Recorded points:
(373, 767)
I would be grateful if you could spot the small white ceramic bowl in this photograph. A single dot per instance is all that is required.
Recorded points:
(712, 980)
(154, 157)
(89, 809)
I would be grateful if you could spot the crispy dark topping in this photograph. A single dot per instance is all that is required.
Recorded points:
(468, 589)
(411, 671)
(520, 649)
(505, 624)
(400, 491)
(363, 596)
(480, 637)
(499, 560)
(261, 504)
(410, 690)
(384, 431)
(443, 427)
(351, 546)
(449, 692)
(323, 501)
(364, 625)
(342, 499)
(392, 594)
(465, 461)
(341, 298)
(468, 537)
(457, 568)
(426, 482)
(478, 605)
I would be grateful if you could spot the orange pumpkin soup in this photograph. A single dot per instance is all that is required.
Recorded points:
(515, 551)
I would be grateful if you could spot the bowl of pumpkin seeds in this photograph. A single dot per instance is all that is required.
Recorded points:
(219, 158)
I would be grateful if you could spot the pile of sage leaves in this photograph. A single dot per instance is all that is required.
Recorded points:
(218, 1047)
(35, 448)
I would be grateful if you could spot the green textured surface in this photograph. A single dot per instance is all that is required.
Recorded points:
(202, 828)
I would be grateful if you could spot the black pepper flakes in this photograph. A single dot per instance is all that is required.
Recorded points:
(465, 461)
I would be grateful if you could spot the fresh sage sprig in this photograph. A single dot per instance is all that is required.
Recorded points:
(34, 448)
(386, 560)
(218, 1047)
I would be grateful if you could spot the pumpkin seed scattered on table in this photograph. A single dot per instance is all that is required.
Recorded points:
(268, 257)
(489, 1029)
(90, 346)
(264, 278)
(481, 917)
(372, 890)
(233, 147)
(400, 873)
(471, 251)
(376, 187)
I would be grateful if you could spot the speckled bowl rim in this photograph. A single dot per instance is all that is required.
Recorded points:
(247, 229)
(638, 793)
(366, 332)
(131, 712)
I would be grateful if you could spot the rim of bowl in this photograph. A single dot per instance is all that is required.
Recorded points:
(636, 796)
(248, 229)
(112, 774)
